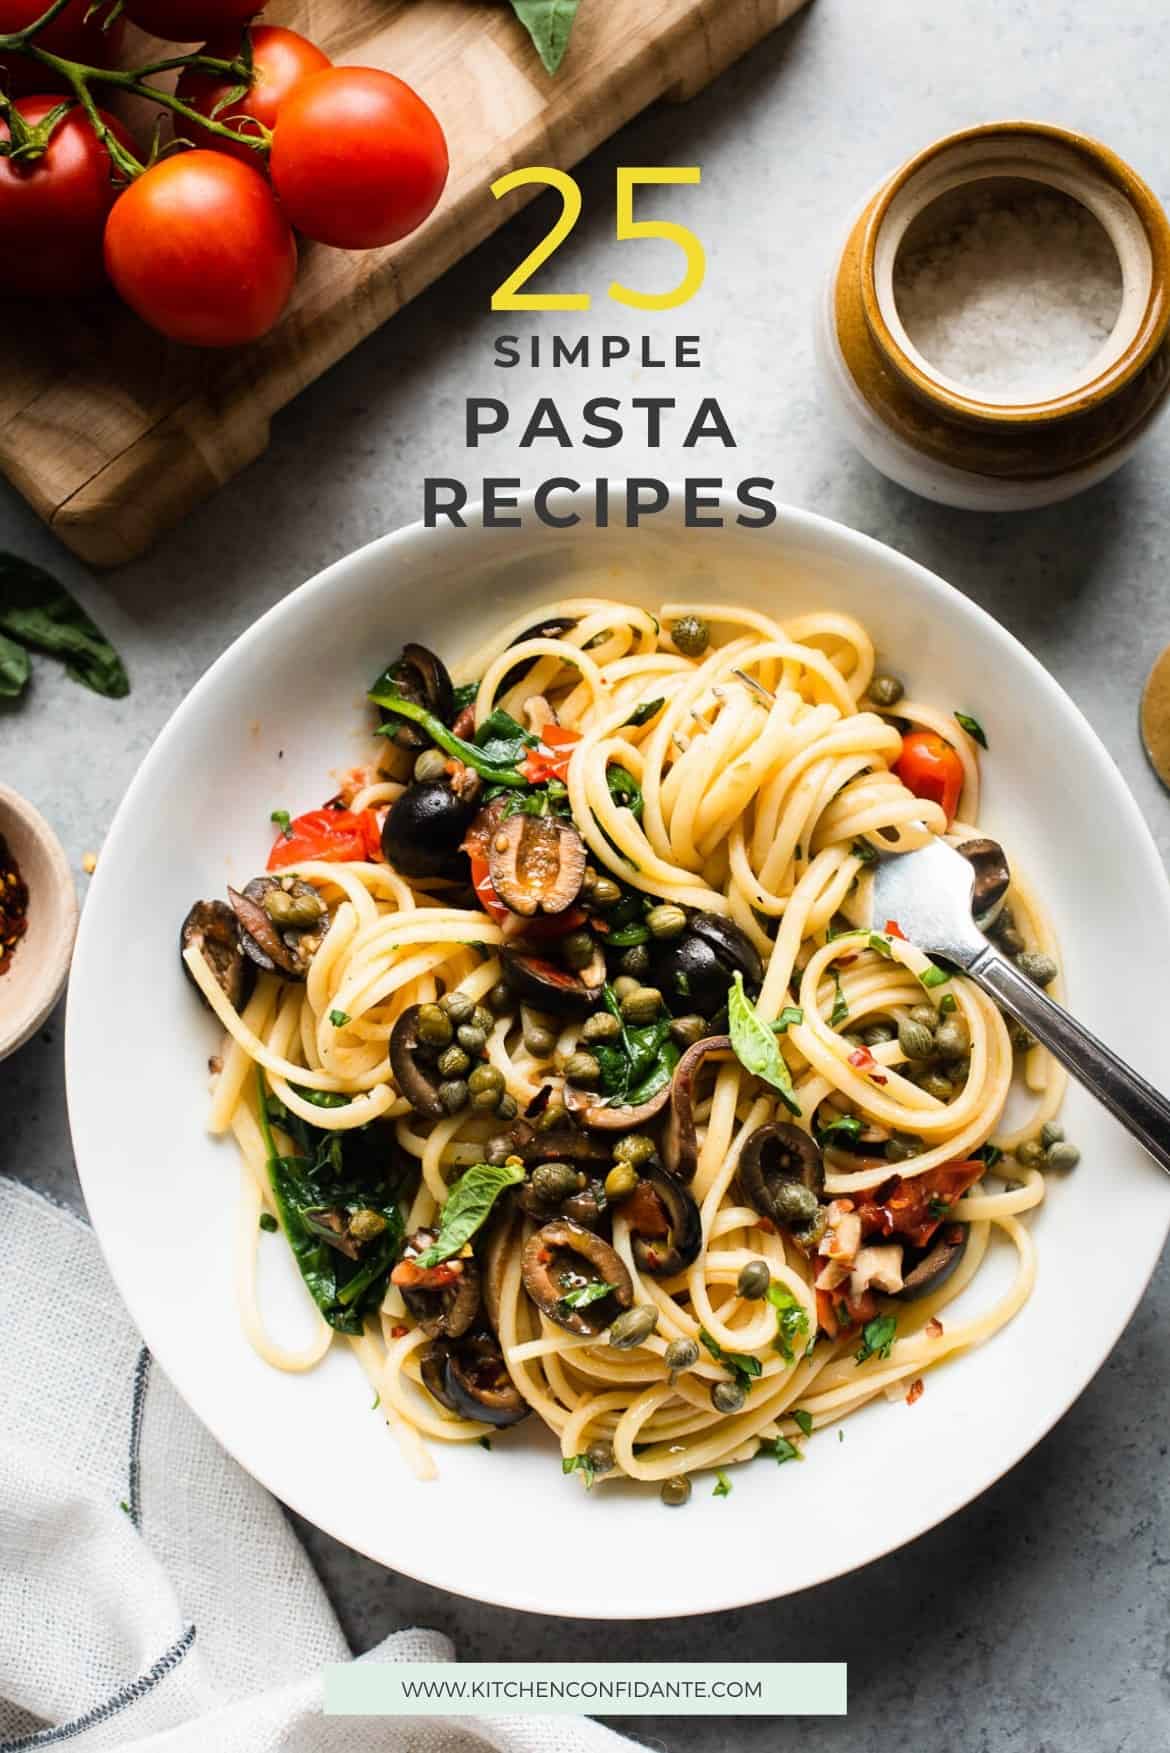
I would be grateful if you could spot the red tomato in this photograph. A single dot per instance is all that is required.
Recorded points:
(190, 21)
(485, 890)
(551, 759)
(280, 60)
(199, 248)
(70, 35)
(914, 1205)
(930, 768)
(53, 210)
(357, 158)
(334, 836)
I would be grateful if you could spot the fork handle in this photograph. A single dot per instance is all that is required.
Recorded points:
(1129, 1098)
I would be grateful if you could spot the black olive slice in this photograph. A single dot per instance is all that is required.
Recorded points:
(563, 1257)
(536, 864)
(213, 929)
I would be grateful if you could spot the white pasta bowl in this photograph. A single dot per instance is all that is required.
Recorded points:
(281, 711)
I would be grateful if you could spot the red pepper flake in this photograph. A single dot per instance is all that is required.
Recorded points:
(893, 929)
(934, 1328)
(13, 906)
(864, 1060)
(399, 1331)
(917, 1389)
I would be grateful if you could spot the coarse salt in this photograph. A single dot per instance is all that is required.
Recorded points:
(1014, 297)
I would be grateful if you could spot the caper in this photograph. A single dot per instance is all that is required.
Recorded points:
(366, 1224)
(621, 1181)
(556, 1181)
(953, 1040)
(601, 1026)
(588, 880)
(686, 1030)
(577, 949)
(937, 1084)
(1009, 940)
(482, 1018)
(641, 1007)
(691, 635)
(458, 1006)
(1062, 1156)
(676, 1491)
(635, 1147)
(793, 1202)
(471, 1039)
(540, 1042)
(635, 960)
(485, 1078)
(926, 1015)
(877, 1033)
(454, 1094)
(753, 1280)
(915, 1039)
(294, 912)
(554, 1115)
(886, 690)
(624, 985)
(431, 764)
(453, 1062)
(1051, 1133)
(507, 1107)
(434, 1026)
(958, 1070)
(501, 999)
(600, 1456)
(727, 1397)
(1030, 1153)
(901, 1146)
(681, 1354)
(1018, 1035)
(583, 1070)
(634, 1327)
(605, 892)
(666, 922)
(1037, 966)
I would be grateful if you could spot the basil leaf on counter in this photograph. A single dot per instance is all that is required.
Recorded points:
(36, 611)
(469, 1206)
(755, 1047)
(549, 23)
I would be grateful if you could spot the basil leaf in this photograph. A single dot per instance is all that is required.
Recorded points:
(586, 1294)
(844, 1126)
(14, 668)
(722, 1485)
(791, 1320)
(283, 821)
(879, 942)
(386, 695)
(739, 1364)
(789, 1017)
(781, 1450)
(973, 728)
(934, 976)
(644, 713)
(626, 936)
(580, 1464)
(625, 790)
(323, 1098)
(466, 694)
(470, 1203)
(755, 1047)
(840, 1010)
(877, 1337)
(502, 739)
(35, 610)
(549, 24)
(803, 1420)
(863, 850)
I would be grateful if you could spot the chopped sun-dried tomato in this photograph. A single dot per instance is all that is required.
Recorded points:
(550, 759)
(913, 1206)
(412, 1277)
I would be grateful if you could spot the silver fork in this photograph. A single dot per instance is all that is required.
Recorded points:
(929, 894)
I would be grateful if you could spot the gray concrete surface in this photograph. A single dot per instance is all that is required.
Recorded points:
(1036, 1621)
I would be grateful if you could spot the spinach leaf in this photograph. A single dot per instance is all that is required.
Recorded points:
(469, 1205)
(644, 713)
(386, 694)
(14, 668)
(755, 1047)
(466, 694)
(625, 790)
(332, 1174)
(643, 1059)
(548, 23)
(38, 612)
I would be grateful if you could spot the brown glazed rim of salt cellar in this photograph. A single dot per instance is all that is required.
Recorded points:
(1015, 441)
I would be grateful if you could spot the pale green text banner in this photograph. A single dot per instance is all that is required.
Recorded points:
(586, 1689)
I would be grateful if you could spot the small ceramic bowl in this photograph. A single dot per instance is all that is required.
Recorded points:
(40, 964)
(943, 439)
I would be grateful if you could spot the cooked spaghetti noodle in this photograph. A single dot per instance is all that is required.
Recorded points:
(755, 784)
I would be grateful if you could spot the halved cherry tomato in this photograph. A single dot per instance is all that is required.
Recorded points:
(329, 836)
(913, 1206)
(930, 768)
(550, 760)
(538, 930)
(485, 890)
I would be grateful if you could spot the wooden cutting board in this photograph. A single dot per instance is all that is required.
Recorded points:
(112, 434)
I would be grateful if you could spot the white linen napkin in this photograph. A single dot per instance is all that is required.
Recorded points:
(153, 1598)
